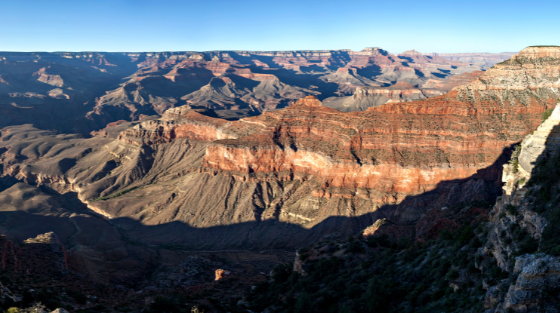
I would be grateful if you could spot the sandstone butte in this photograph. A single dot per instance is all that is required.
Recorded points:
(318, 168)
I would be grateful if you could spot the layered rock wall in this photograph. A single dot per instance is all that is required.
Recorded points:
(307, 165)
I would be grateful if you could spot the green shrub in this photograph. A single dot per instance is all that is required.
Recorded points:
(77, 296)
(515, 164)
(391, 276)
(346, 309)
(452, 274)
(282, 272)
(555, 251)
(116, 195)
(511, 209)
(163, 305)
(404, 243)
(465, 234)
(303, 303)
(355, 247)
(546, 114)
(372, 242)
(445, 234)
(503, 233)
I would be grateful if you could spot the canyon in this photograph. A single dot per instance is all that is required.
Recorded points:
(199, 153)
(79, 92)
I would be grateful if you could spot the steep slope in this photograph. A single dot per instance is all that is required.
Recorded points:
(523, 231)
(264, 91)
(55, 90)
(29, 206)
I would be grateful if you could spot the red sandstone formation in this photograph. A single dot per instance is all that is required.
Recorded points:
(217, 77)
(43, 77)
(365, 150)
(220, 274)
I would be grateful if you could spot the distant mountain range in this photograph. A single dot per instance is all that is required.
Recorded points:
(84, 91)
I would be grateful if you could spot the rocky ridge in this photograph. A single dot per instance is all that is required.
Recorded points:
(476, 58)
(37, 255)
(518, 208)
(84, 91)
(366, 97)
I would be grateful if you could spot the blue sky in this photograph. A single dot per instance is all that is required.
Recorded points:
(202, 25)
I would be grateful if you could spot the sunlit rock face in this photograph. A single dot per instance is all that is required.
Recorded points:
(545, 139)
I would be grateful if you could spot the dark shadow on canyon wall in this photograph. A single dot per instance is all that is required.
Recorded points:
(123, 250)
(541, 191)
(27, 102)
(484, 186)
(370, 71)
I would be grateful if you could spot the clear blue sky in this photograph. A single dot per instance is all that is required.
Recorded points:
(202, 25)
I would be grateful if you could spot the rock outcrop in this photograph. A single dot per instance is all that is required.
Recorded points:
(470, 258)
(41, 256)
(517, 225)
(539, 276)
(191, 181)
(537, 145)
(365, 97)
(482, 59)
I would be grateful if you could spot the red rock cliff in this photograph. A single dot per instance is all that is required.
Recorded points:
(404, 147)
